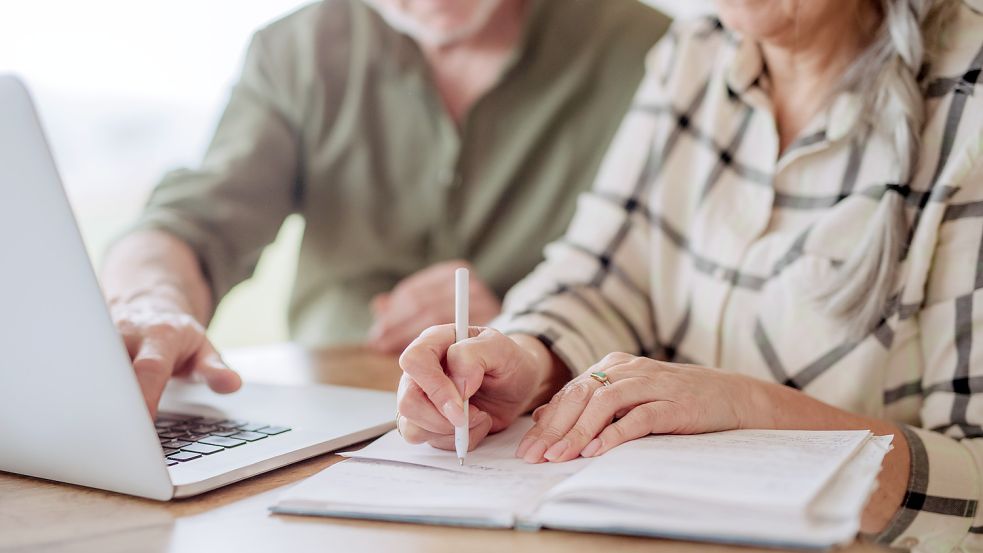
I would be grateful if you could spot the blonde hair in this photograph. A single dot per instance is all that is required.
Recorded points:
(909, 34)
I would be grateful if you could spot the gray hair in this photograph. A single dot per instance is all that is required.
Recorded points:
(886, 79)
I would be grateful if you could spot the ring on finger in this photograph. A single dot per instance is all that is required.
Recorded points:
(601, 377)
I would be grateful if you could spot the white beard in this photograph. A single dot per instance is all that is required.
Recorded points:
(427, 36)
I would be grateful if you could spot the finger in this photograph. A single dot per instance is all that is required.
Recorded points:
(565, 408)
(413, 434)
(598, 414)
(481, 426)
(153, 365)
(416, 434)
(209, 364)
(640, 421)
(421, 361)
(417, 408)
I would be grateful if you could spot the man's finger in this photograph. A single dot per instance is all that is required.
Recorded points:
(153, 365)
(209, 364)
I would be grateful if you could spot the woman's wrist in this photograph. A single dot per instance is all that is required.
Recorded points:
(549, 372)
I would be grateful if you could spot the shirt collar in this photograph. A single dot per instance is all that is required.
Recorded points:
(745, 65)
(842, 115)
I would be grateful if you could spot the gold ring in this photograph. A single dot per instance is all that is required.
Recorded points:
(601, 377)
(400, 432)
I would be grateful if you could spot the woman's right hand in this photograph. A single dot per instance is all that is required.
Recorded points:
(503, 376)
(163, 340)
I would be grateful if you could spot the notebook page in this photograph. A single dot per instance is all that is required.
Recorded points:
(495, 453)
(834, 517)
(396, 491)
(764, 469)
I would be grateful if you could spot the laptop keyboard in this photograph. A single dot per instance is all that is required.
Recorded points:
(187, 437)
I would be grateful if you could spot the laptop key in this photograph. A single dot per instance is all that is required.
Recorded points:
(168, 451)
(170, 462)
(170, 434)
(204, 429)
(192, 437)
(252, 427)
(221, 441)
(273, 430)
(249, 436)
(231, 423)
(225, 433)
(166, 423)
(183, 456)
(176, 444)
(204, 449)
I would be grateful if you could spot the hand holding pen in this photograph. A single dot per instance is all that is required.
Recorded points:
(451, 370)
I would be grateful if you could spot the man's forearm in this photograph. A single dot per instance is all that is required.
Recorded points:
(159, 265)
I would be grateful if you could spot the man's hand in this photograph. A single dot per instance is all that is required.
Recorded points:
(426, 299)
(163, 340)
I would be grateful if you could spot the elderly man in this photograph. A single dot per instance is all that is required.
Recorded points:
(412, 136)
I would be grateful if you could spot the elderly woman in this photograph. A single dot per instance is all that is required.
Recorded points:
(786, 233)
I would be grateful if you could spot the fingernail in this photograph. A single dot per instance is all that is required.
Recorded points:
(535, 452)
(520, 451)
(557, 450)
(453, 412)
(592, 448)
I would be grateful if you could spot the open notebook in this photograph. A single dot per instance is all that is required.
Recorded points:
(782, 488)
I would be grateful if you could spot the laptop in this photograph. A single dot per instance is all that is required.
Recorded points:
(70, 406)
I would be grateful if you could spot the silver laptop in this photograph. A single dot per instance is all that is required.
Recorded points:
(70, 406)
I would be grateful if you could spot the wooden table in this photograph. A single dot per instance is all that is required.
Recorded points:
(36, 515)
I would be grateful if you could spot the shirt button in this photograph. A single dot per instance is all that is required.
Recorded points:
(909, 542)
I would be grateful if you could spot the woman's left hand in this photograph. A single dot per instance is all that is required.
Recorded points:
(645, 396)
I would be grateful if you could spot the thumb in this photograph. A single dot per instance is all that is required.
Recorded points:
(209, 364)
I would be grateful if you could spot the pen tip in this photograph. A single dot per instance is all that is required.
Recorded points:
(460, 461)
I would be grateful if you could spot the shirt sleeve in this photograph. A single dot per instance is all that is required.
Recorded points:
(590, 296)
(228, 209)
(940, 508)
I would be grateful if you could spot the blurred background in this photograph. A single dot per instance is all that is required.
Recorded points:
(128, 89)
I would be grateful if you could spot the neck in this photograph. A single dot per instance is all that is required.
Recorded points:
(500, 31)
(805, 65)
(466, 69)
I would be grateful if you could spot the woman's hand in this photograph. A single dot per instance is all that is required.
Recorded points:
(504, 377)
(645, 396)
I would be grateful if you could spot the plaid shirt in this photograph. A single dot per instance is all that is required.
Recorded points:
(695, 245)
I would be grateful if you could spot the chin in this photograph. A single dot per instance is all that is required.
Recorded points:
(756, 18)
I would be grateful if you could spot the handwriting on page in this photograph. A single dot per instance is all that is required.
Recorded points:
(776, 468)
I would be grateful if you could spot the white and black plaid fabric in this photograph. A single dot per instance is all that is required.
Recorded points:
(697, 246)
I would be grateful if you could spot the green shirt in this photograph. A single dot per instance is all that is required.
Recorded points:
(336, 118)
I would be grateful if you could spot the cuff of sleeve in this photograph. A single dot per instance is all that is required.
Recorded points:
(941, 500)
(213, 257)
(573, 350)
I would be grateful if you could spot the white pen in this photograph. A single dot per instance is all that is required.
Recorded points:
(461, 432)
